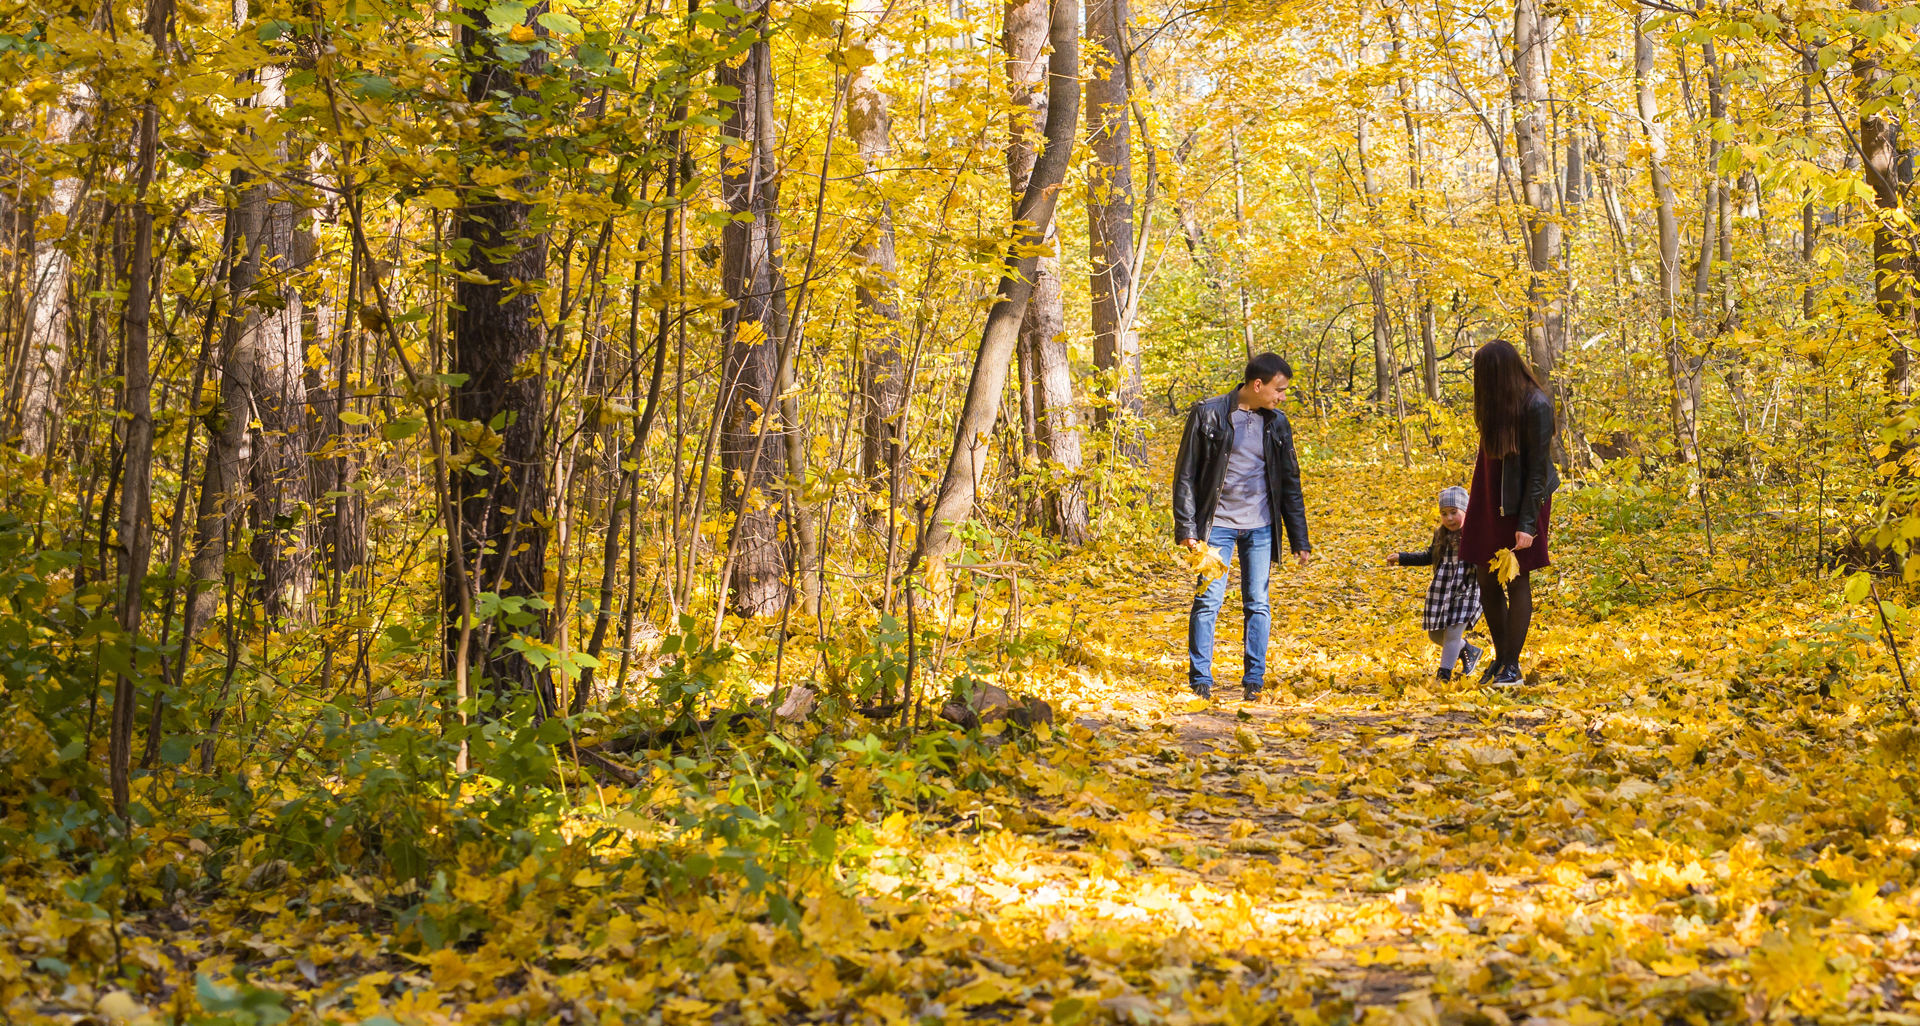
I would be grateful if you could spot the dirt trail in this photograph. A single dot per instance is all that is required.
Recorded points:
(1366, 837)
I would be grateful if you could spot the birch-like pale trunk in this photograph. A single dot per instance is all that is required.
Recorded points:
(967, 460)
(1043, 345)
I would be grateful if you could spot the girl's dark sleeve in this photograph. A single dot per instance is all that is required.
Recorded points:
(1421, 558)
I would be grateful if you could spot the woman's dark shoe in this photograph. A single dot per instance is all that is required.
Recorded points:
(1470, 658)
(1492, 670)
(1509, 677)
(1443, 674)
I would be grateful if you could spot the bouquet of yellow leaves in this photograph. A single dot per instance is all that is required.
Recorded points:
(1505, 565)
(1206, 562)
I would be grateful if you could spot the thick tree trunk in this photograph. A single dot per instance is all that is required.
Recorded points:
(1110, 241)
(1682, 370)
(261, 474)
(1042, 342)
(48, 299)
(967, 460)
(498, 338)
(753, 453)
(1546, 285)
(883, 385)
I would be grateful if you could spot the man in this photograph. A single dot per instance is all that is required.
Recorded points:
(1235, 482)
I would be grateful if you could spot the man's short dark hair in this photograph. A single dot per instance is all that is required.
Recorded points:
(1266, 367)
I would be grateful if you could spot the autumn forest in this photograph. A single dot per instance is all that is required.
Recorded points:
(551, 511)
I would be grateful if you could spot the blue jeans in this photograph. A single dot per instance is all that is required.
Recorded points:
(1256, 566)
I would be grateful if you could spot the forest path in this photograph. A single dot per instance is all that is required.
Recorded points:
(1368, 842)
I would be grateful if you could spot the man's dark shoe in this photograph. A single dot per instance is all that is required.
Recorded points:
(1508, 677)
(1202, 690)
(1443, 674)
(1250, 695)
(1470, 658)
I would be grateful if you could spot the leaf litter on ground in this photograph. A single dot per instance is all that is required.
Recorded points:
(1669, 824)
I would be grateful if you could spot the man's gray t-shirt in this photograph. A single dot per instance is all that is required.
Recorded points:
(1243, 493)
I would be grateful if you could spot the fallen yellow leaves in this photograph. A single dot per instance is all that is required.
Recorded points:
(1656, 838)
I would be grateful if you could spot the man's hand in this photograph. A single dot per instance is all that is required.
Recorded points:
(1522, 540)
(1192, 544)
(1393, 559)
(1305, 558)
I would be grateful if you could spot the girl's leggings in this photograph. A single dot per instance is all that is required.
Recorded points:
(1451, 640)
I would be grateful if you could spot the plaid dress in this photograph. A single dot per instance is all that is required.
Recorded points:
(1454, 596)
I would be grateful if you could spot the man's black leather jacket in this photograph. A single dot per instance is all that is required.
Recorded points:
(1533, 477)
(1202, 465)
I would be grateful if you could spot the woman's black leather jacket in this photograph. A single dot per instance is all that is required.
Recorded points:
(1528, 477)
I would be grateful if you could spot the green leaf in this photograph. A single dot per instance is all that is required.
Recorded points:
(562, 24)
(1858, 585)
(823, 841)
(504, 15)
(401, 427)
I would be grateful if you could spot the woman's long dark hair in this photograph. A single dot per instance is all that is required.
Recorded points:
(1503, 385)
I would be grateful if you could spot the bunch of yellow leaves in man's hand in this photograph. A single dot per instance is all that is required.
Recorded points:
(1205, 562)
(1505, 565)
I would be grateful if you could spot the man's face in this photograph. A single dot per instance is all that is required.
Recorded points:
(1265, 395)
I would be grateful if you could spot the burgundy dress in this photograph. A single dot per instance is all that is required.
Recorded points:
(1487, 532)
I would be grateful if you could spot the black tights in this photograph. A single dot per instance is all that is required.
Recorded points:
(1509, 613)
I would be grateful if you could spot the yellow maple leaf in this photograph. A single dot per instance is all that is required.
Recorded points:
(1505, 565)
(1204, 562)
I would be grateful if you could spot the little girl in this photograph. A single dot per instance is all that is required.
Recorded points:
(1453, 599)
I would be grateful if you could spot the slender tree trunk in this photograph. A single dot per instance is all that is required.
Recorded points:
(1386, 367)
(1681, 371)
(876, 291)
(1416, 183)
(753, 454)
(1043, 329)
(498, 336)
(967, 460)
(1809, 224)
(1880, 153)
(1110, 242)
(135, 528)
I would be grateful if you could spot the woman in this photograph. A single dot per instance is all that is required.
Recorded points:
(1512, 497)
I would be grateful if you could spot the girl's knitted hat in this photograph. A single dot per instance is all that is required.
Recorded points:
(1453, 497)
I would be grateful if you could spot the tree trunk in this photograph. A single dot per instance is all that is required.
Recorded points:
(1110, 241)
(1682, 371)
(48, 301)
(883, 385)
(1043, 329)
(498, 339)
(1546, 286)
(753, 453)
(1240, 229)
(262, 473)
(1386, 369)
(1416, 182)
(967, 460)
(136, 482)
(1880, 153)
